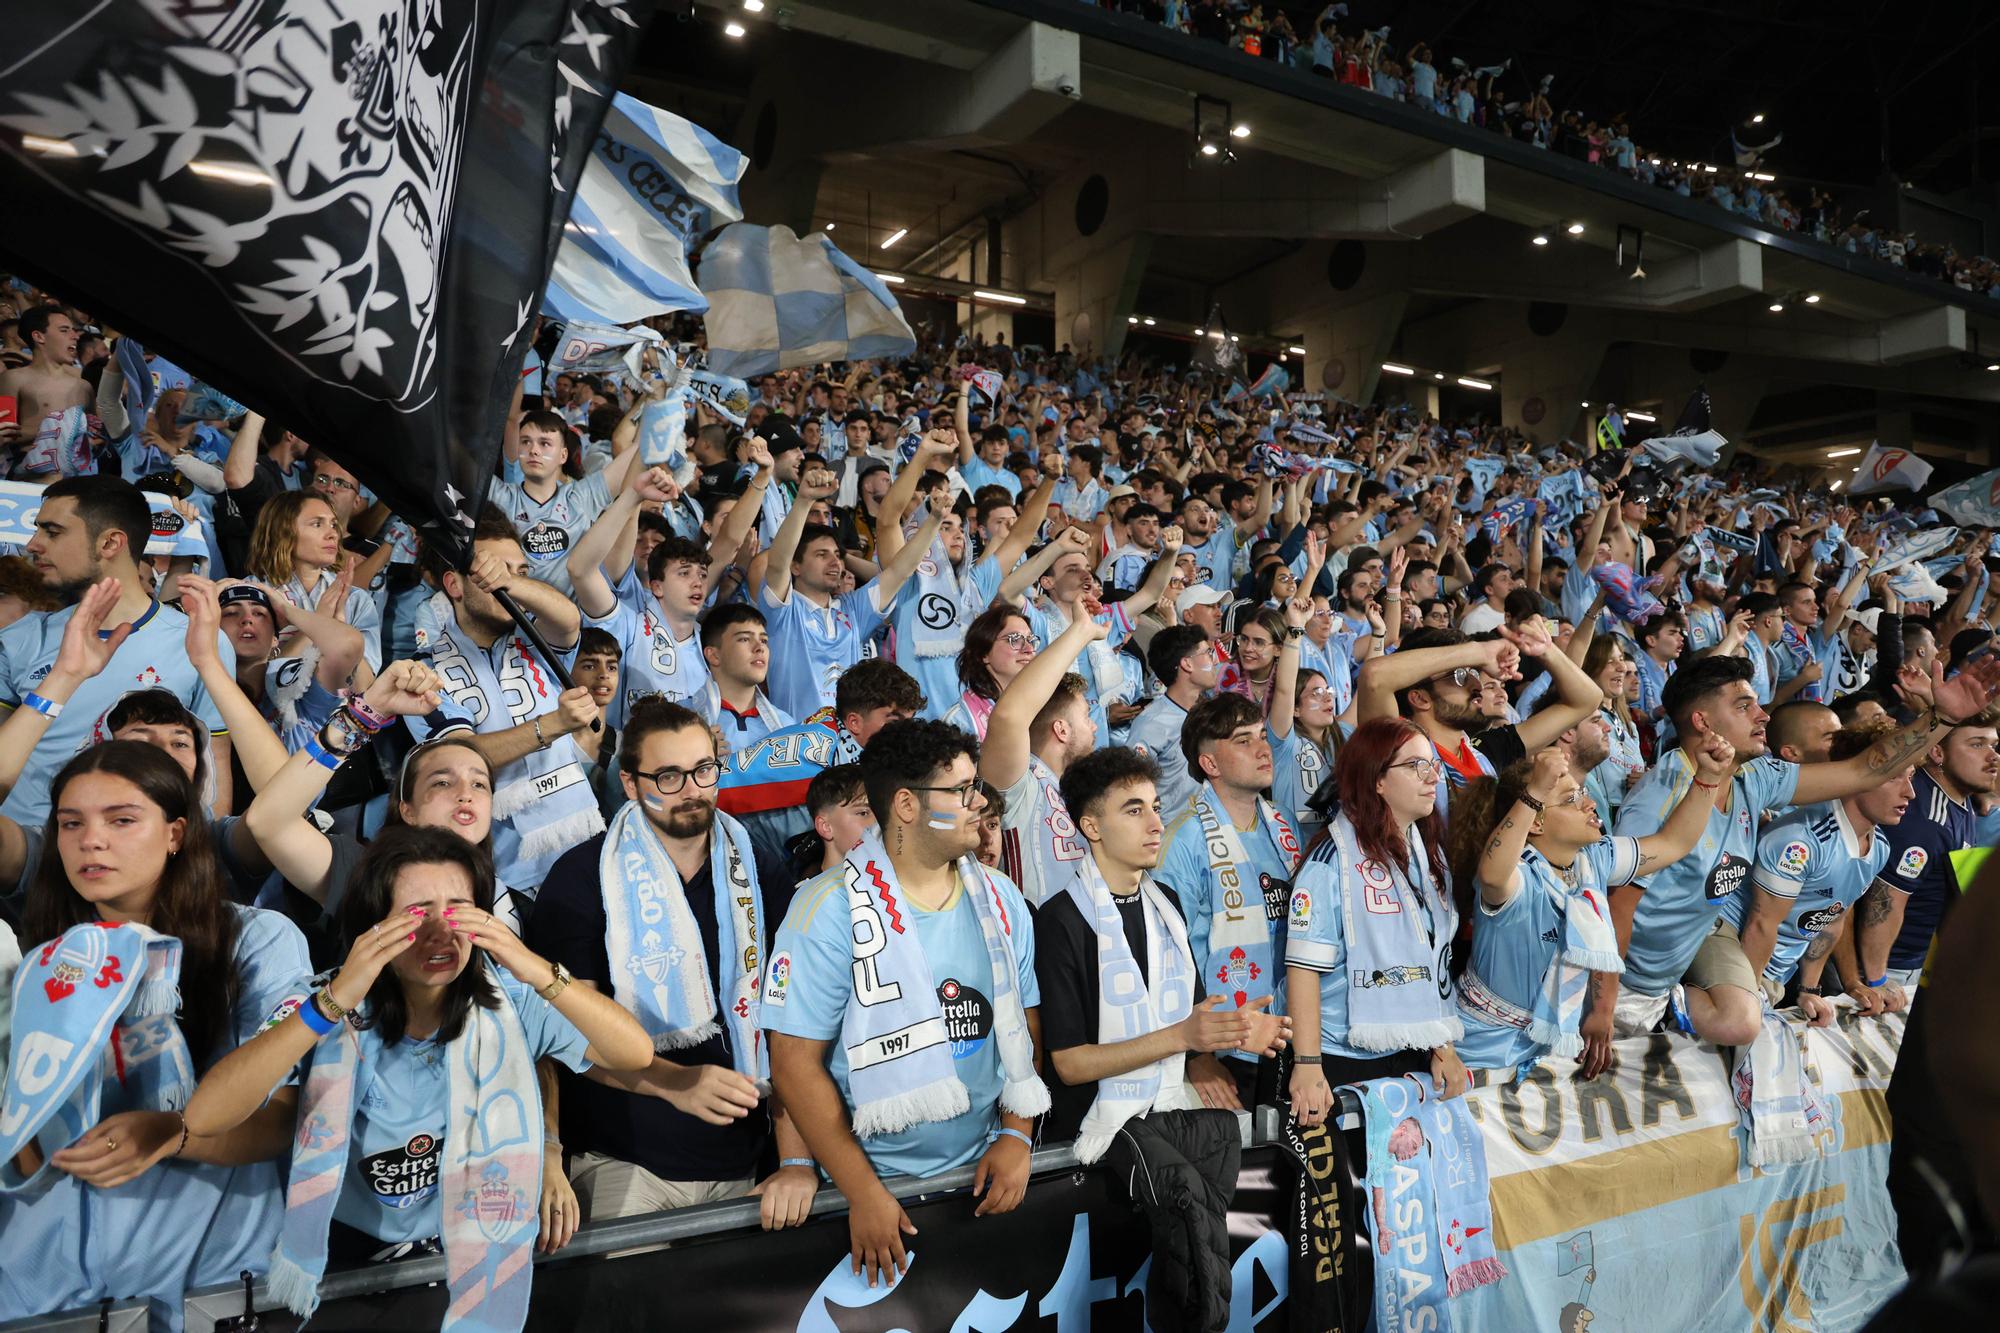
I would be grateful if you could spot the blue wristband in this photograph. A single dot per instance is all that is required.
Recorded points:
(998, 1134)
(806, 1162)
(48, 708)
(314, 1019)
(1878, 983)
(322, 756)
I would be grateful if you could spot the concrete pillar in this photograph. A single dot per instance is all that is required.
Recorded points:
(1346, 344)
(1096, 291)
(1543, 382)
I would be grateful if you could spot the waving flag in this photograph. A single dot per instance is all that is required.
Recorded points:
(1505, 516)
(1692, 440)
(1274, 381)
(777, 301)
(1214, 353)
(654, 186)
(343, 215)
(1889, 470)
(599, 349)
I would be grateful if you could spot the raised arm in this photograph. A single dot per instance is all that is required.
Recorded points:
(785, 543)
(1024, 575)
(1498, 873)
(1147, 595)
(613, 528)
(1951, 702)
(897, 571)
(1022, 535)
(1285, 679)
(240, 464)
(276, 818)
(555, 615)
(1381, 677)
(1578, 693)
(1714, 758)
(961, 421)
(1004, 756)
(252, 740)
(742, 520)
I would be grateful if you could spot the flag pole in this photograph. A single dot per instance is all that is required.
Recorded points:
(541, 645)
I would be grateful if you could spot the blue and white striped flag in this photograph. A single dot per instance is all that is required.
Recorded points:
(654, 186)
(1974, 503)
(777, 301)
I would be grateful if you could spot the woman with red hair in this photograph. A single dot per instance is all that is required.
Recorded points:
(1368, 946)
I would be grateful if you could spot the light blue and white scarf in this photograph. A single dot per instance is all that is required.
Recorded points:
(94, 1012)
(1589, 944)
(545, 794)
(938, 630)
(659, 966)
(1132, 1003)
(1777, 1095)
(1400, 995)
(1241, 956)
(898, 1053)
(491, 1182)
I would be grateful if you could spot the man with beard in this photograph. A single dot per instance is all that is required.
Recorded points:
(1902, 910)
(902, 1000)
(1110, 921)
(499, 686)
(1672, 918)
(90, 529)
(1437, 679)
(691, 1127)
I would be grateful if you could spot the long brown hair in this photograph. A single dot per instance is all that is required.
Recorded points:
(275, 539)
(1475, 812)
(1364, 759)
(189, 903)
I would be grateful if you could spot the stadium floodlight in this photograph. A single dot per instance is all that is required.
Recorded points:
(732, 29)
(1471, 383)
(1574, 229)
(1395, 369)
(1214, 126)
(1539, 239)
(895, 236)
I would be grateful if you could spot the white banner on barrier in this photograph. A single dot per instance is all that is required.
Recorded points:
(1630, 1197)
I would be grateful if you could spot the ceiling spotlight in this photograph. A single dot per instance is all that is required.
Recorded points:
(1239, 131)
(895, 236)
(1131, 319)
(754, 6)
(1711, 168)
(1148, 321)
(1838, 484)
(1233, 338)
(1777, 307)
(1842, 453)
(1586, 402)
(1994, 366)
(1209, 150)
(1197, 333)
(1214, 126)
(999, 296)
(1812, 298)
(1471, 383)
(829, 226)
(1641, 416)
(1540, 240)
(1395, 369)
(1757, 119)
(895, 278)
(1575, 229)
(1296, 350)
(732, 29)
(1437, 375)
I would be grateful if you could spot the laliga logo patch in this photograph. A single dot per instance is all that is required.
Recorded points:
(1792, 860)
(1913, 863)
(778, 981)
(1302, 907)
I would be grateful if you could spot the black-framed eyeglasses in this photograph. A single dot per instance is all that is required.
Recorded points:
(670, 780)
(964, 790)
(326, 483)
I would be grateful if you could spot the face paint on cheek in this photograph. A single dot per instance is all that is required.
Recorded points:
(943, 821)
(652, 802)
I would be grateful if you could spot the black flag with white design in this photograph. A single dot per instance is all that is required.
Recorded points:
(1214, 352)
(343, 215)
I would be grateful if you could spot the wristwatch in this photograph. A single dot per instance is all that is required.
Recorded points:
(558, 985)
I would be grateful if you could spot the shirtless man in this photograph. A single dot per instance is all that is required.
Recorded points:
(50, 383)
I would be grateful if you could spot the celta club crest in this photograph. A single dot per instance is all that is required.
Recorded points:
(495, 1203)
(75, 958)
(1239, 971)
(654, 963)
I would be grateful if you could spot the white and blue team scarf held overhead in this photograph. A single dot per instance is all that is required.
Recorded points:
(93, 1015)
(1240, 953)
(544, 794)
(900, 1070)
(1132, 1003)
(1397, 932)
(659, 966)
(937, 630)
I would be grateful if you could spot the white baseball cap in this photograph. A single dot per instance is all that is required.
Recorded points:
(1199, 595)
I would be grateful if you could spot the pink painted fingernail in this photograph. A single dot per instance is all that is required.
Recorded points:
(413, 939)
